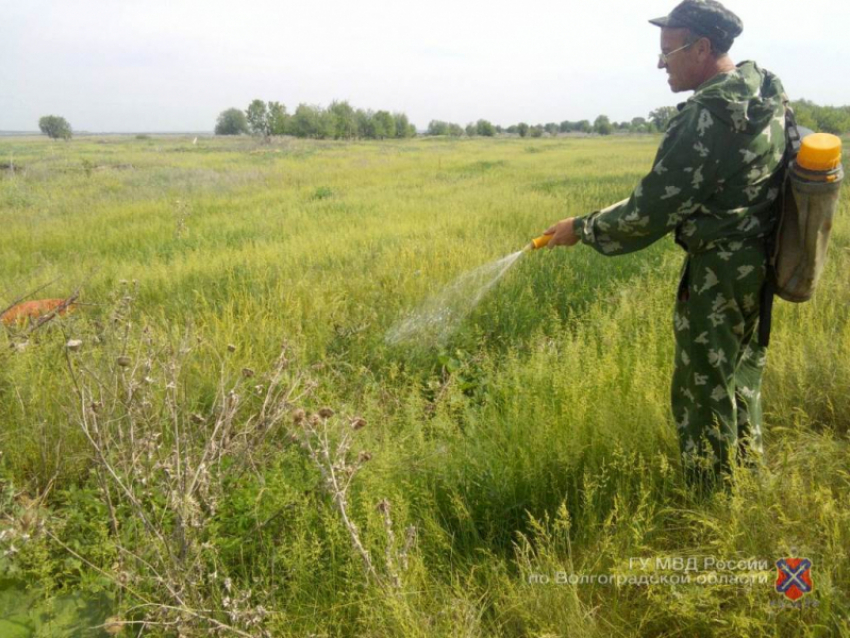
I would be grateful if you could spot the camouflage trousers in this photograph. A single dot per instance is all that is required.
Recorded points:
(716, 388)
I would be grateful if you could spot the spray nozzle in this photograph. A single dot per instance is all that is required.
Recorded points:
(538, 242)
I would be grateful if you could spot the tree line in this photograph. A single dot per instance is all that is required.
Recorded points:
(338, 121)
(824, 119)
(341, 121)
(655, 122)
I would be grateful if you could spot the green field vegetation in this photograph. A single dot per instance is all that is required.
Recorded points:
(161, 472)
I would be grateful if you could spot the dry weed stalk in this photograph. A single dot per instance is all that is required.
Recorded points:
(163, 464)
(182, 213)
(329, 451)
(148, 440)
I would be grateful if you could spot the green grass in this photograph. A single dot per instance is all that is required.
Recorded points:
(537, 441)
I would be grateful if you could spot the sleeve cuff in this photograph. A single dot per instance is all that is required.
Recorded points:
(578, 227)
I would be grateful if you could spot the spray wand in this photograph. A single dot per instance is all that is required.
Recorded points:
(537, 242)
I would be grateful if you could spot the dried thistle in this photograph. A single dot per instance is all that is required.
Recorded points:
(113, 625)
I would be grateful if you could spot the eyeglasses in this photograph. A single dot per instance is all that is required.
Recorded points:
(663, 57)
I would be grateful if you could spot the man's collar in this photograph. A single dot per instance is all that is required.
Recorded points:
(717, 78)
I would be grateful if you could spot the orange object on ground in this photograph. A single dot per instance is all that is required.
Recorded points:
(32, 310)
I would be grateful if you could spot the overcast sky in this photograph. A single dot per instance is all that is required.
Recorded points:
(173, 65)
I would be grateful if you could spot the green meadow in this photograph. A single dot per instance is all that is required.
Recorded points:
(233, 447)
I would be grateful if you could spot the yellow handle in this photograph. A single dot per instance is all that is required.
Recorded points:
(540, 242)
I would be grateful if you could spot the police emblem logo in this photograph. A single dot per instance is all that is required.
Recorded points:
(794, 577)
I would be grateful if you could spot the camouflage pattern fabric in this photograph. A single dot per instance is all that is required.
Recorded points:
(716, 389)
(713, 183)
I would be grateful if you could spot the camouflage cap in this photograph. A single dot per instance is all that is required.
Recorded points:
(706, 18)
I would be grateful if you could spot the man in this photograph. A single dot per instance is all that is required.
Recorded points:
(713, 183)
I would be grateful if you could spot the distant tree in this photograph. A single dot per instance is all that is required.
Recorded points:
(602, 125)
(471, 130)
(661, 116)
(804, 113)
(552, 128)
(566, 126)
(536, 131)
(485, 128)
(344, 120)
(513, 129)
(384, 125)
(499, 129)
(437, 127)
(338, 121)
(824, 119)
(403, 127)
(55, 127)
(231, 122)
(327, 124)
(363, 120)
(375, 125)
(306, 121)
(832, 120)
(258, 118)
(455, 130)
(278, 119)
(522, 129)
(584, 126)
(640, 125)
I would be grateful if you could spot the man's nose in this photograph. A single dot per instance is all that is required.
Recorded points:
(661, 64)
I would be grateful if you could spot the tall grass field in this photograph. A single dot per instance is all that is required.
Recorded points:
(218, 438)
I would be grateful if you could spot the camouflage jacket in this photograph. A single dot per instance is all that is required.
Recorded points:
(716, 173)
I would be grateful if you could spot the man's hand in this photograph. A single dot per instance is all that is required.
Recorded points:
(563, 233)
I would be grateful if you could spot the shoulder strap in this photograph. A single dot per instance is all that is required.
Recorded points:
(792, 148)
(792, 136)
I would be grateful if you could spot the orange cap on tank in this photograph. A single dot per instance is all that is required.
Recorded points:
(820, 152)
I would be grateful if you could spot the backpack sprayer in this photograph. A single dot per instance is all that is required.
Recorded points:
(808, 201)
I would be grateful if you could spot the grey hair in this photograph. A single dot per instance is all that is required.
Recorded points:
(718, 48)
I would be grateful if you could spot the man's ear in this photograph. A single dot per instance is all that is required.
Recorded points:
(704, 48)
